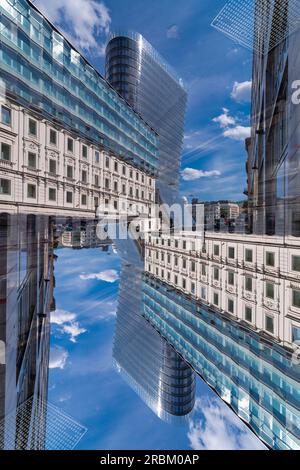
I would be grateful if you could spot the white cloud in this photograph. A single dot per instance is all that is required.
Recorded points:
(58, 358)
(67, 324)
(225, 119)
(239, 133)
(241, 92)
(231, 128)
(59, 317)
(172, 32)
(191, 174)
(217, 428)
(83, 22)
(110, 275)
(73, 329)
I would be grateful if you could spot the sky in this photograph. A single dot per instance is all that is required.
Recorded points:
(83, 383)
(217, 75)
(215, 70)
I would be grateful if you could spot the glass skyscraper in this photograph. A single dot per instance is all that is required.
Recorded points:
(136, 70)
(144, 359)
(255, 376)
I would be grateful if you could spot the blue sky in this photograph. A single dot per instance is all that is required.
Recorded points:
(83, 383)
(216, 72)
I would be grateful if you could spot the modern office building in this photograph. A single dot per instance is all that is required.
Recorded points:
(69, 142)
(150, 366)
(136, 70)
(256, 377)
(274, 147)
(26, 299)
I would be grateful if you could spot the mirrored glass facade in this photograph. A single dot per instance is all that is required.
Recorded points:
(139, 74)
(41, 70)
(258, 379)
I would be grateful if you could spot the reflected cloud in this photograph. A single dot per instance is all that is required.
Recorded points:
(58, 357)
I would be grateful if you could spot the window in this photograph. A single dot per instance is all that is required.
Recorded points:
(32, 127)
(184, 263)
(53, 137)
(270, 290)
(96, 201)
(70, 172)
(216, 274)
(70, 145)
(176, 261)
(31, 160)
(270, 259)
(248, 284)
(97, 157)
(137, 177)
(116, 188)
(203, 293)
(176, 279)
(106, 183)
(169, 259)
(84, 151)
(5, 115)
(52, 167)
(123, 189)
(216, 250)
(295, 334)
(31, 191)
(130, 174)
(5, 152)
(193, 266)
(248, 256)
(296, 263)
(216, 299)
(137, 194)
(124, 170)
(231, 252)
(5, 186)
(96, 180)
(84, 176)
(296, 298)
(270, 324)
(116, 167)
(69, 197)
(162, 256)
(231, 278)
(83, 199)
(183, 283)
(230, 306)
(248, 314)
(203, 270)
(193, 288)
(107, 162)
(184, 245)
(52, 194)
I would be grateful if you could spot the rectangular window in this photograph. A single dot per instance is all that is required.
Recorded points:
(248, 284)
(248, 256)
(53, 137)
(107, 162)
(31, 191)
(184, 245)
(70, 145)
(5, 115)
(69, 172)
(5, 186)
(137, 194)
(116, 167)
(203, 270)
(96, 180)
(5, 152)
(216, 250)
(106, 183)
(97, 157)
(230, 306)
(295, 334)
(84, 176)
(32, 160)
(84, 151)
(296, 263)
(193, 266)
(52, 194)
(193, 288)
(124, 189)
(203, 293)
(116, 187)
(248, 314)
(270, 259)
(176, 261)
(52, 167)
(296, 298)
(183, 283)
(270, 324)
(216, 274)
(270, 290)
(83, 199)
(96, 201)
(69, 197)
(216, 299)
(184, 263)
(124, 170)
(32, 127)
(231, 278)
(231, 252)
